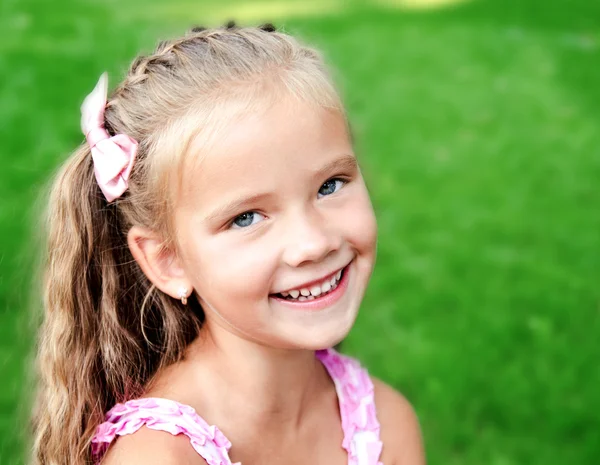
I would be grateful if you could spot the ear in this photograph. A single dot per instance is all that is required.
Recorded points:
(161, 265)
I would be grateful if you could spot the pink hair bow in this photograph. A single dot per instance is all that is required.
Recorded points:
(113, 156)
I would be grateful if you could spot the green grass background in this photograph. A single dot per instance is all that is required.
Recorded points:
(478, 131)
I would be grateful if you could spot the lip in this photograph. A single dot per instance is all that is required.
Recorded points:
(310, 283)
(321, 302)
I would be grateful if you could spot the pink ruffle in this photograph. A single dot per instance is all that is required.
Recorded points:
(357, 410)
(357, 407)
(164, 415)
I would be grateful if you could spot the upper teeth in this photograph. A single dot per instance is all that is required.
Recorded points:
(316, 289)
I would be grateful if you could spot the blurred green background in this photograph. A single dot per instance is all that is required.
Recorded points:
(478, 131)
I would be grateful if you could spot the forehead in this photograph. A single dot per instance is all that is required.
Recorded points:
(289, 140)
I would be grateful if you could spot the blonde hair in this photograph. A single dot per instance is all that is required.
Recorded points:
(107, 330)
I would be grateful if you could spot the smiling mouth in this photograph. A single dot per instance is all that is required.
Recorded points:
(314, 291)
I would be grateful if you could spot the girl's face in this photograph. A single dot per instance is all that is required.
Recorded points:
(279, 206)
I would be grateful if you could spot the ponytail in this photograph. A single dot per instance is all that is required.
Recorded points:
(93, 349)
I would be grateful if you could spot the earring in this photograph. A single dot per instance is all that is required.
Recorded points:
(183, 295)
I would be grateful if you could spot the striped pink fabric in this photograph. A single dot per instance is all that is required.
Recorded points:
(357, 410)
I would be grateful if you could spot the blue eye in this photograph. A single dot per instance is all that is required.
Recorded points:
(245, 219)
(330, 186)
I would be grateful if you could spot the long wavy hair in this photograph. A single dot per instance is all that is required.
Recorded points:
(106, 329)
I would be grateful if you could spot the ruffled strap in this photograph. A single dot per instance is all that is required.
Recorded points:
(357, 407)
(164, 415)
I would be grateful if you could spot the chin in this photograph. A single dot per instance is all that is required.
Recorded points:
(322, 336)
(325, 343)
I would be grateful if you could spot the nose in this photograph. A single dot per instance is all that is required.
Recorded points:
(311, 238)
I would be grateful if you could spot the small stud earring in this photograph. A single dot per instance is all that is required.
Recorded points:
(183, 295)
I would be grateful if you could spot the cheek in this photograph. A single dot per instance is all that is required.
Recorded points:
(360, 223)
(229, 268)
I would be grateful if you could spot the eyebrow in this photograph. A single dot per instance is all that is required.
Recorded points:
(345, 163)
(237, 205)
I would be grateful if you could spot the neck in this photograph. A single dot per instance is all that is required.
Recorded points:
(239, 383)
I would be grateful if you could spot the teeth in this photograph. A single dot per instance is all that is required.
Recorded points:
(315, 291)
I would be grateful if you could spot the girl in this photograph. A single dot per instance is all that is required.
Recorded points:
(208, 244)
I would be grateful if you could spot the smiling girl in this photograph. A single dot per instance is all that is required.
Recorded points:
(208, 244)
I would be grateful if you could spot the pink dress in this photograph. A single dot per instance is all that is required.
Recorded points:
(357, 410)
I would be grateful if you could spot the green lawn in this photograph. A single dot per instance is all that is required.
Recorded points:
(478, 132)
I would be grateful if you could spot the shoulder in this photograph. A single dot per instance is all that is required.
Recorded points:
(400, 430)
(151, 447)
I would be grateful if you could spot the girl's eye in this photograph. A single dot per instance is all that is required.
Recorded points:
(245, 219)
(330, 186)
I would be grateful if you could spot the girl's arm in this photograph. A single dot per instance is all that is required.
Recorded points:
(400, 430)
